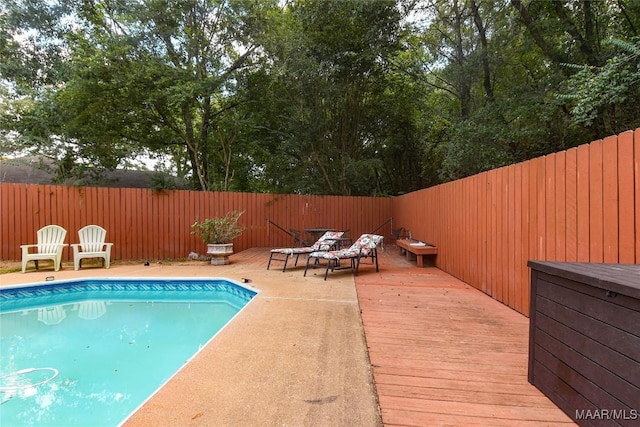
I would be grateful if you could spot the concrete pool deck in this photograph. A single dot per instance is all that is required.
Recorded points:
(295, 356)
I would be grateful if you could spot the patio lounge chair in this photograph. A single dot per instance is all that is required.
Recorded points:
(49, 247)
(365, 247)
(91, 245)
(324, 243)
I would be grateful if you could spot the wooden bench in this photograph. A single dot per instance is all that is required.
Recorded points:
(419, 253)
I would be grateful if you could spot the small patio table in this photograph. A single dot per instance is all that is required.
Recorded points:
(344, 242)
(317, 232)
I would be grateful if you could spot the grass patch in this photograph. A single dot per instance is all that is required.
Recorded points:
(10, 269)
(7, 267)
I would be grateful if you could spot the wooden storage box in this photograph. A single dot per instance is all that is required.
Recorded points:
(584, 340)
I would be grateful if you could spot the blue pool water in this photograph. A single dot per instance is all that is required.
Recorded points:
(90, 352)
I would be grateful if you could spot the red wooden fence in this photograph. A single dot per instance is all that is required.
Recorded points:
(582, 205)
(579, 205)
(148, 224)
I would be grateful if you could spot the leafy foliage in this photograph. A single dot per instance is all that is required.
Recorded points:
(603, 93)
(314, 96)
(219, 230)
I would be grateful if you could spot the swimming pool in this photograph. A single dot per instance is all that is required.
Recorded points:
(91, 352)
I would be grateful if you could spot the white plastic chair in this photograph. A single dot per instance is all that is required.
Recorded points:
(91, 245)
(49, 247)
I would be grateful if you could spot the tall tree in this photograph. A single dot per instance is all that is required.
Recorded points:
(315, 96)
(155, 74)
(327, 58)
(574, 34)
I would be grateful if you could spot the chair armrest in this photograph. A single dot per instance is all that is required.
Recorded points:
(76, 247)
(25, 249)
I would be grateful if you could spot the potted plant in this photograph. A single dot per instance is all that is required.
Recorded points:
(217, 233)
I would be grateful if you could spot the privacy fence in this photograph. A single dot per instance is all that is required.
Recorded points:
(581, 205)
(147, 224)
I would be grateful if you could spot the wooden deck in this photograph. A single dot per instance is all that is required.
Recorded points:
(443, 353)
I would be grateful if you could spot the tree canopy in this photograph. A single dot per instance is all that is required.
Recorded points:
(347, 97)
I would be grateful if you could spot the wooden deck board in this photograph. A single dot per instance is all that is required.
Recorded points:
(444, 353)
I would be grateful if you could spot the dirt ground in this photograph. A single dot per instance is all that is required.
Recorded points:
(13, 266)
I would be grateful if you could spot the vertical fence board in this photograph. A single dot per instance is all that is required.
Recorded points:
(507, 225)
(34, 207)
(512, 227)
(136, 217)
(7, 226)
(582, 205)
(474, 249)
(468, 202)
(503, 287)
(78, 200)
(536, 198)
(143, 223)
(456, 233)
(517, 238)
(483, 190)
(28, 221)
(71, 202)
(541, 205)
(550, 207)
(190, 216)
(444, 198)
(44, 206)
(123, 210)
(43, 203)
(493, 234)
(610, 199)
(462, 214)
(155, 225)
(91, 204)
(54, 198)
(172, 225)
(116, 227)
(472, 224)
(125, 218)
(533, 212)
(560, 206)
(626, 199)
(452, 201)
(177, 226)
(102, 200)
(636, 168)
(59, 205)
(571, 212)
(525, 236)
(159, 223)
(596, 232)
